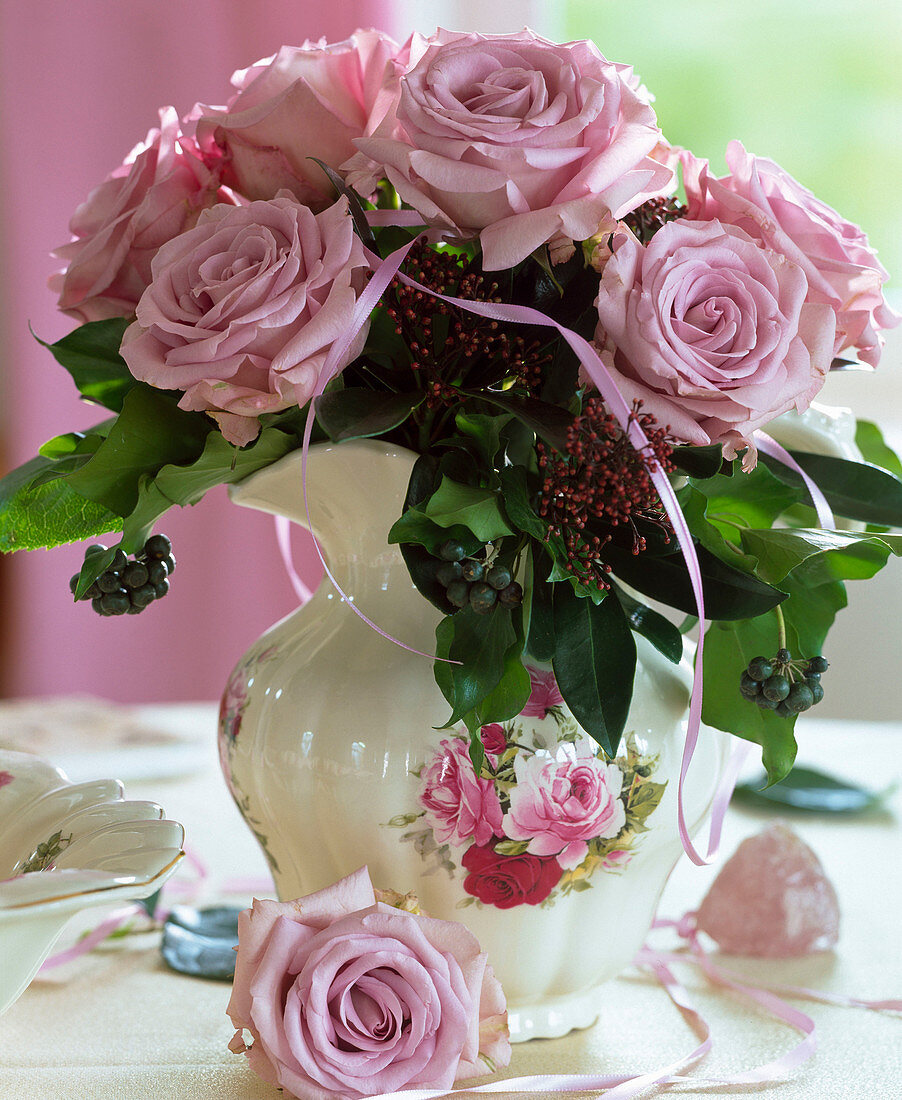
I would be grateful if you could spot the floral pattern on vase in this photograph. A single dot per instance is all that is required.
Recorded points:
(6, 777)
(545, 813)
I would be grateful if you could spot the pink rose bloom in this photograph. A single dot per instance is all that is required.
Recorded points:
(244, 308)
(557, 805)
(515, 139)
(156, 194)
(544, 694)
(712, 332)
(6, 777)
(841, 267)
(306, 101)
(346, 997)
(460, 807)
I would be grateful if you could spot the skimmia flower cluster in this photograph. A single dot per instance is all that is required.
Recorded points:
(212, 278)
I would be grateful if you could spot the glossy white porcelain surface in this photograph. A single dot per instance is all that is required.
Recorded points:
(65, 847)
(324, 723)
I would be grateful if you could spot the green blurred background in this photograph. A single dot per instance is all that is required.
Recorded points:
(815, 86)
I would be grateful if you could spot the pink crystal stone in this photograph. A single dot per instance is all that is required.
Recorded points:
(771, 899)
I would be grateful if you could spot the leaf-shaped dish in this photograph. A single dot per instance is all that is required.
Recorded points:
(65, 847)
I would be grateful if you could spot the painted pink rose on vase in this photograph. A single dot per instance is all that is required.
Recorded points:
(514, 139)
(244, 308)
(6, 777)
(544, 694)
(558, 804)
(507, 881)
(711, 331)
(842, 269)
(154, 196)
(306, 101)
(460, 807)
(493, 739)
(346, 997)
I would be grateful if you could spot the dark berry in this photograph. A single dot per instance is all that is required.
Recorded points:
(458, 593)
(499, 576)
(760, 668)
(156, 571)
(119, 562)
(160, 589)
(109, 581)
(132, 610)
(451, 550)
(93, 591)
(768, 704)
(169, 562)
(512, 596)
(784, 709)
(818, 665)
(800, 697)
(471, 569)
(776, 687)
(783, 656)
(817, 691)
(97, 604)
(482, 597)
(73, 583)
(748, 686)
(135, 574)
(157, 546)
(95, 548)
(446, 573)
(142, 596)
(115, 603)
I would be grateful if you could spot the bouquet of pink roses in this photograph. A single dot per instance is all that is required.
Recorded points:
(476, 246)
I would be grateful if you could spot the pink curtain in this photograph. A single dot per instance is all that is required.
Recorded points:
(80, 84)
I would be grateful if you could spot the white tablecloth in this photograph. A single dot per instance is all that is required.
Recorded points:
(118, 1024)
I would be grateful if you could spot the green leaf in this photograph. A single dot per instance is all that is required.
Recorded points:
(754, 499)
(91, 355)
(700, 462)
(479, 510)
(729, 593)
(517, 503)
(220, 463)
(540, 630)
(729, 646)
(483, 433)
(354, 208)
(418, 529)
(869, 440)
(481, 644)
(594, 664)
(48, 514)
(856, 490)
(358, 413)
(512, 693)
(549, 422)
(814, 791)
(661, 632)
(150, 432)
(818, 556)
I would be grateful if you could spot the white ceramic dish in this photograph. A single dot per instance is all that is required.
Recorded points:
(65, 847)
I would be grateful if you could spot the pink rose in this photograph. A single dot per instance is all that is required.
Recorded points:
(6, 777)
(842, 269)
(506, 881)
(544, 694)
(517, 139)
(306, 101)
(345, 997)
(459, 805)
(156, 194)
(493, 740)
(557, 805)
(711, 332)
(244, 308)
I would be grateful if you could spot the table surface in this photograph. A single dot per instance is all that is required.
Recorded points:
(116, 1023)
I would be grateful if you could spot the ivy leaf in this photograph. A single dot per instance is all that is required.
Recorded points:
(517, 506)
(819, 556)
(729, 646)
(594, 664)
(91, 355)
(414, 527)
(479, 510)
(856, 490)
(549, 422)
(482, 434)
(150, 432)
(481, 644)
(754, 499)
(38, 516)
(359, 413)
(661, 632)
(869, 440)
(812, 790)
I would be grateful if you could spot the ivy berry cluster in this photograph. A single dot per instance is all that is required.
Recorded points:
(783, 685)
(129, 585)
(475, 583)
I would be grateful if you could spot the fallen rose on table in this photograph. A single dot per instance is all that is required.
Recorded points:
(346, 996)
